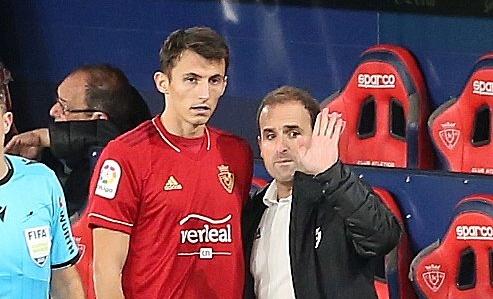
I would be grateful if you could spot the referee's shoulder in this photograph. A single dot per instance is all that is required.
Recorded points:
(28, 167)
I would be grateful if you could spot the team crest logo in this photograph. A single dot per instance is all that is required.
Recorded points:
(226, 178)
(433, 277)
(108, 179)
(38, 242)
(449, 135)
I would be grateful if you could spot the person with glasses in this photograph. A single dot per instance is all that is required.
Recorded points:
(166, 198)
(94, 104)
(38, 249)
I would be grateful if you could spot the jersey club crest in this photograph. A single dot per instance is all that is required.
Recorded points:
(226, 178)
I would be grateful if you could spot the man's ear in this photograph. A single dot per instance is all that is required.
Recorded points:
(259, 147)
(161, 81)
(99, 115)
(7, 120)
(225, 84)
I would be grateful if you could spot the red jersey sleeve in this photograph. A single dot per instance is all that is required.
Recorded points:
(113, 196)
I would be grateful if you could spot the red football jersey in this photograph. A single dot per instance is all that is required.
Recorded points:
(181, 209)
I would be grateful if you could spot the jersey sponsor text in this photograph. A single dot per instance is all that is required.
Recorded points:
(206, 235)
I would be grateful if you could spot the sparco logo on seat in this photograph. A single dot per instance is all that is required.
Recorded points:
(474, 232)
(376, 80)
(482, 87)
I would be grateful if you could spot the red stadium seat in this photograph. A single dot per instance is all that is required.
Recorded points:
(385, 106)
(461, 128)
(461, 265)
(395, 284)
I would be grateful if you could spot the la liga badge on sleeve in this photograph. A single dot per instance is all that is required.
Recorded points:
(109, 177)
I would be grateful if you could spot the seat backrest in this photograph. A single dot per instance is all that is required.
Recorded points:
(461, 128)
(461, 265)
(398, 261)
(385, 106)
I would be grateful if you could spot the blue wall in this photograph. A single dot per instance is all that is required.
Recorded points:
(308, 46)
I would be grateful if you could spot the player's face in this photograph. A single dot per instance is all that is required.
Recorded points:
(71, 99)
(194, 88)
(280, 127)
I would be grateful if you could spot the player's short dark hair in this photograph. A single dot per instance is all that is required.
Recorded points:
(108, 90)
(201, 40)
(286, 94)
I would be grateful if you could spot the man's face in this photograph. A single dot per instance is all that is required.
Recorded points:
(71, 97)
(193, 91)
(281, 125)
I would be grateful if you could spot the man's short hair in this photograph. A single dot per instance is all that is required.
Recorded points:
(108, 90)
(286, 94)
(201, 40)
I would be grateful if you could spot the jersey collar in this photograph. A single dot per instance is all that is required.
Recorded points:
(10, 172)
(160, 129)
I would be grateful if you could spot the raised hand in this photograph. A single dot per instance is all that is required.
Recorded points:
(322, 151)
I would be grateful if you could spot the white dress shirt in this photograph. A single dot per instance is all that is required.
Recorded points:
(270, 264)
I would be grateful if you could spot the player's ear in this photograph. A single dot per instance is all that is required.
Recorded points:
(161, 81)
(224, 85)
(259, 142)
(7, 119)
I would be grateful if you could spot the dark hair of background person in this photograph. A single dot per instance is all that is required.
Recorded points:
(108, 90)
(285, 94)
(201, 40)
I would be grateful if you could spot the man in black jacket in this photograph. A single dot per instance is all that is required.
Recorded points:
(316, 230)
(94, 104)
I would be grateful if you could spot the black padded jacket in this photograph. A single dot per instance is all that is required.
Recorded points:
(78, 144)
(338, 229)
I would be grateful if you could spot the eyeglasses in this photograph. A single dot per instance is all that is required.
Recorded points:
(67, 110)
